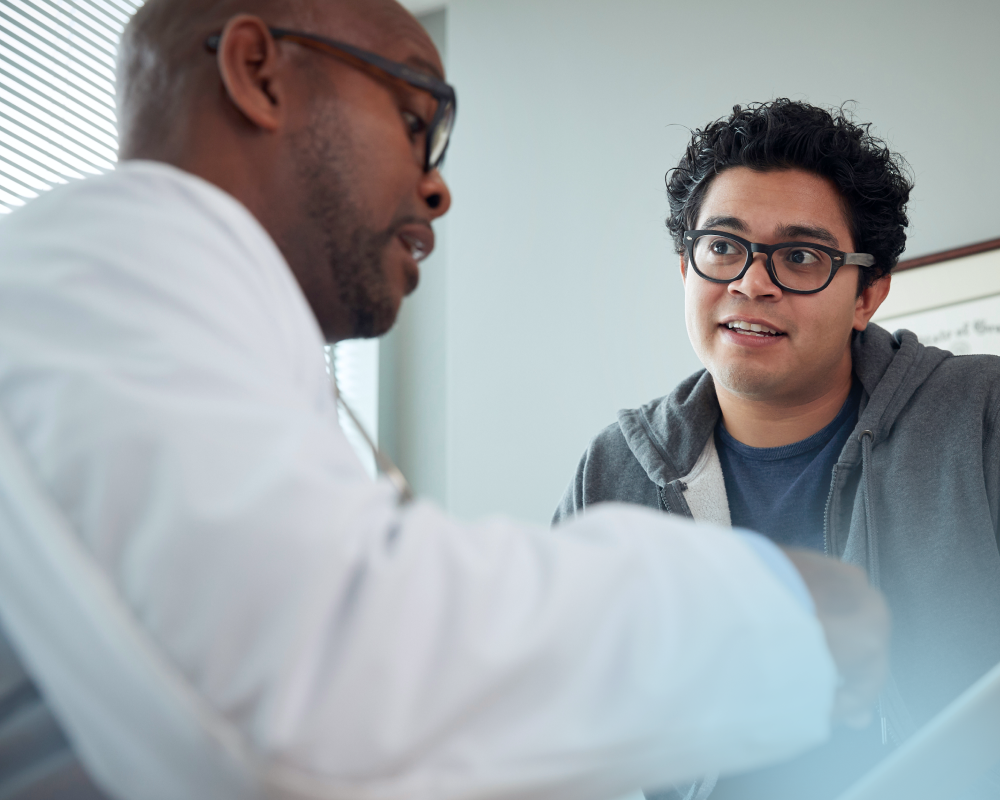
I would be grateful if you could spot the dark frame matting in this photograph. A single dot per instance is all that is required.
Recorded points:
(948, 255)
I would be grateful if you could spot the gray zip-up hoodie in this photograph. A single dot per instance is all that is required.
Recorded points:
(913, 499)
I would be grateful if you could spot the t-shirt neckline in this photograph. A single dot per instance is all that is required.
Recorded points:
(814, 442)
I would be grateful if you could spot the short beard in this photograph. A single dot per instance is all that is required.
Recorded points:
(353, 251)
(362, 287)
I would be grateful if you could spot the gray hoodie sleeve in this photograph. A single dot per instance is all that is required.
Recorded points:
(572, 499)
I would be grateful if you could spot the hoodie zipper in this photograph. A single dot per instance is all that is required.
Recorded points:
(888, 734)
(826, 516)
(676, 487)
(664, 503)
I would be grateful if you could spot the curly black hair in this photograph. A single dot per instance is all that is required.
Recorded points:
(873, 181)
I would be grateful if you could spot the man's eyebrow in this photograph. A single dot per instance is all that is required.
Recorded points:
(790, 233)
(423, 65)
(734, 223)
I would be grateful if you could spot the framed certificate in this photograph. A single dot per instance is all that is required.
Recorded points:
(950, 300)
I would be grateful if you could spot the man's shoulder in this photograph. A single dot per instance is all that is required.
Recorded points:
(647, 447)
(970, 383)
(125, 178)
(952, 401)
(609, 471)
(608, 442)
(911, 381)
(614, 445)
(158, 199)
(147, 225)
(965, 378)
(149, 258)
(973, 366)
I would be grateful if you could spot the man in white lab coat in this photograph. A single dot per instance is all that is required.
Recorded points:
(180, 511)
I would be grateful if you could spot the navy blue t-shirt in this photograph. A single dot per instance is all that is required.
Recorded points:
(781, 492)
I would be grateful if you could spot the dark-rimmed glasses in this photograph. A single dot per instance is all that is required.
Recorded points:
(440, 126)
(798, 267)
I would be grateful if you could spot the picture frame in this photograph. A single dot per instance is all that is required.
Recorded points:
(950, 299)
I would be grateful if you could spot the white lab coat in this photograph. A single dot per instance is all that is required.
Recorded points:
(164, 381)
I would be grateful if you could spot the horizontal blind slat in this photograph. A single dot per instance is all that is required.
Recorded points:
(9, 201)
(18, 159)
(74, 32)
(102, 17)
(41, 153)
(63, 82)
(102, 67)
(127, 7)
(16, 182)
(47, 139)
(57, 93)
(50, 97)
(30, 46)
(22, 106)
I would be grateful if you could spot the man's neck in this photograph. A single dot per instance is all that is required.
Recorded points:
(763, 423)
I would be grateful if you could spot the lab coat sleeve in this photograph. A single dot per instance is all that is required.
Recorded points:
(169, 405)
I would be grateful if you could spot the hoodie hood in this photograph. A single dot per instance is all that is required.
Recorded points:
(891, 367)
(668, 435)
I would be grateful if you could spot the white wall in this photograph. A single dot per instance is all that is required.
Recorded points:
(412, 376)
(559, 301)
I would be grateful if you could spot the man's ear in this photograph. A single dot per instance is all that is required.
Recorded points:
(869, 300)
(248, 62)
(683, 270)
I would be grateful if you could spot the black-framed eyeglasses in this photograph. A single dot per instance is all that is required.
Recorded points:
(798, 267)
(441, 124)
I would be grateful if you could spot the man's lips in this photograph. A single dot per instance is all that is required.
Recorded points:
(417, 238)
(752, 326)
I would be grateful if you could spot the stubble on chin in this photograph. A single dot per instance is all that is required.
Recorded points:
(353, 252)
(744, 380)
(363, 287)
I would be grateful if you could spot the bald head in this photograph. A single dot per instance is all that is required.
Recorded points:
(164, 71)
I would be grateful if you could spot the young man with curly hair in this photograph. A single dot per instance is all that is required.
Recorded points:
(812, 425)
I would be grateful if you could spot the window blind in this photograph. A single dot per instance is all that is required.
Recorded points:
(57, 97)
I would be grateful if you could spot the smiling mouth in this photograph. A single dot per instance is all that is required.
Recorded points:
(752, 329)
(418, 241)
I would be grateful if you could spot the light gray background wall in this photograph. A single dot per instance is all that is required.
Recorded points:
(556, 299)
(412, 375)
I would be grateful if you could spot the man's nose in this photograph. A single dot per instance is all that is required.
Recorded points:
(434, 192)
(756, 283)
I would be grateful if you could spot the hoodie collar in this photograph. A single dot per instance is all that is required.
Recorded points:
(667, 435)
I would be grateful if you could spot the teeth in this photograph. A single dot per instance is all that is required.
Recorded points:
(753, 327)
(415, 246)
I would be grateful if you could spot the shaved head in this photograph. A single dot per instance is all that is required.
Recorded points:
(162, 64)
(326, 153)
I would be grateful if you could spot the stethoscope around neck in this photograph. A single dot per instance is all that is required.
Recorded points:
(385, 465)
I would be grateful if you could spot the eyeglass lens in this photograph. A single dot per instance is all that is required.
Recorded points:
(797, 267)
(440, 135)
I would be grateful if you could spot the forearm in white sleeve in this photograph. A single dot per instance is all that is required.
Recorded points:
(169, 398)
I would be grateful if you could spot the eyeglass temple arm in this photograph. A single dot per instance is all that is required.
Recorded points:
(861, 259)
